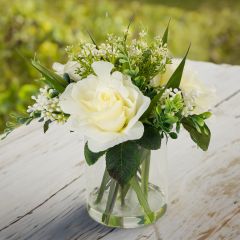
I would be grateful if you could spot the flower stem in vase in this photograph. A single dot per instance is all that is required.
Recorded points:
(123, 192)
(112, 196)
(105, 180)
(122, 196)
(145, 174)
(142, 199)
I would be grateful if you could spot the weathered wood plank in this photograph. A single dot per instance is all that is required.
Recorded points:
(42, 183)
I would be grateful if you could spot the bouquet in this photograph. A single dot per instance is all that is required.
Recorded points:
(126, 98)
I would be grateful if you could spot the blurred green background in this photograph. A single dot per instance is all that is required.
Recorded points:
(45, 28)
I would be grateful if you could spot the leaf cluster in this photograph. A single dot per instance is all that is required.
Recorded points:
(198, 129)
(16, 121)
(52, 79)
(144, 66)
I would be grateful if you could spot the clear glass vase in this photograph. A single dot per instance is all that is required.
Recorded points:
(140, 202)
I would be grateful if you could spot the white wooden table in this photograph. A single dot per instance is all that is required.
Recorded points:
(42, 193)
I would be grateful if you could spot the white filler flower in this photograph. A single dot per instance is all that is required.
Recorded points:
(105, 108)
(197, 96)
(70, 68)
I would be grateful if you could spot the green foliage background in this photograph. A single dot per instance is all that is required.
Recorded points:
(44, 28)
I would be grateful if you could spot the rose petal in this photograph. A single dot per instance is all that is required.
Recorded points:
(102, 69)
(59, 68)
(66, 102)
(70, 68)
(135, 132)
(142, 105)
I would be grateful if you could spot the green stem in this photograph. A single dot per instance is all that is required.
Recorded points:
(123, 192)
(103, 185)
(141, 198)
(112, 196)
(122, 196)
(145, 174)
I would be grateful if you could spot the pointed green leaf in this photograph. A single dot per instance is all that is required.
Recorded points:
(46, 125)
(91, 157)
(165, 35)
(202, 139)
(128, 27)
(151, 138)
(175, 79)
(51, 78)
(178, 126)
(93, 40)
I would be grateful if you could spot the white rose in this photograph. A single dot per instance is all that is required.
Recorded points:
(191, 85)
(70, 68)
(105, 108)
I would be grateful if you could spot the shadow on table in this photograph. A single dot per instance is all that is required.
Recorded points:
(75, 225)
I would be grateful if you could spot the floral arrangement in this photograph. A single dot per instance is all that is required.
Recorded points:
(125, 97)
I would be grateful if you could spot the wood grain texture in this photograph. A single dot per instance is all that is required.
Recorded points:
(42, 193)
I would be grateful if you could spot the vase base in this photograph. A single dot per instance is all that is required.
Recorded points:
(126, 222)
(129, 215)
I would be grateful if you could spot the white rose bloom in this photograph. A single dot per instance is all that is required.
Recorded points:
(193, 89)
(105, 108)
(70, 68)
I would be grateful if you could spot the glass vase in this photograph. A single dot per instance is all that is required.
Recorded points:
(142, 201)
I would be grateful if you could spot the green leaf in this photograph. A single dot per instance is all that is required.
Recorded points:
(206, 130)
(205, 115)
(178, 126)
(151, 138)
(122, 60)
(123, 160)
(199, 121)
(41, 119)
(171, 119)
(198, 128)
(66, 78)
(51, 78)
(165, 35)
(173, 135)
(120, 55)
(93, 40)
(46, 125)
(36, 114)
(147, 54)
(128, 27)
(91, 157)
(202, 139)
(175, 79)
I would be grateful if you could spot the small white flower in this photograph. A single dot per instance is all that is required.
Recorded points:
(47, 106)
(105, 108)
(142, 34)
(70, 68)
